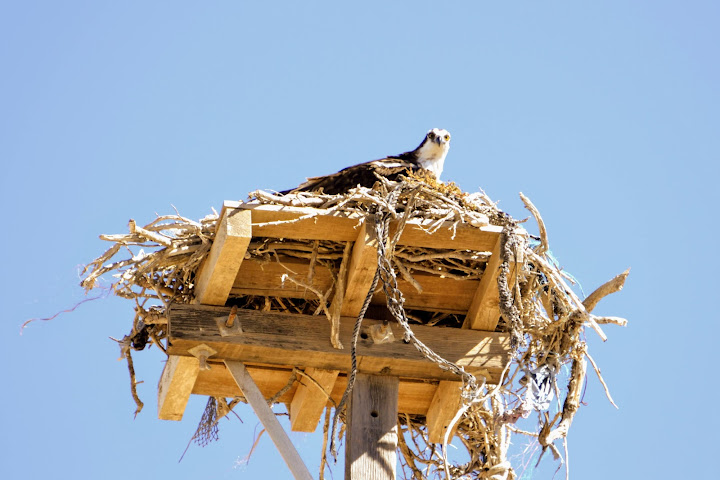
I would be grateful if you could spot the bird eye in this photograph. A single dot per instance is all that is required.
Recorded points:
(447, 138)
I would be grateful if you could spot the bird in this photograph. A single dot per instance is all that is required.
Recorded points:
(429, 156)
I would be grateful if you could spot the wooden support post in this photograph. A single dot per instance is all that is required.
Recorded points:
(445, 404)
(176, 384)
(217, 272)
(371, 438)
(310, 399)
(484, 312)
(267, 417)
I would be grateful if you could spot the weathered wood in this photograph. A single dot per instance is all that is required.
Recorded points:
(343, 228)
(445, 404)
(266, 279)
(303, 340)
(310, 399)
(217, 272)
(414, 395)
(175, 385)
(484, 311)
(267, 417)
(371, 438)
(361, 272)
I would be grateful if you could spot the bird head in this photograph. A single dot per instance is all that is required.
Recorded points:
(432, 151)
(439, 136)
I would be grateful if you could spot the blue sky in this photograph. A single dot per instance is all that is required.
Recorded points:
(607, 116)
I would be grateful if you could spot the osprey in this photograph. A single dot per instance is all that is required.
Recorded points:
(429, 155)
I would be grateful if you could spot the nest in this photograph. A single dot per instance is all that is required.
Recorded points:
(155, 265)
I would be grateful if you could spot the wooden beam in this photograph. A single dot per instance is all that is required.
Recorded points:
(361, 271)
(175, 385)
(310, 399)
(484, 311)
(266, 279)
(218, 270)
(445, 404)
(371, 436)
(267, 417)
(274, 338)
(414, 395)
(316, 224)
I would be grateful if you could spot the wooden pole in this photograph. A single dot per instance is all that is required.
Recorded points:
(267, 417)
(372, 436)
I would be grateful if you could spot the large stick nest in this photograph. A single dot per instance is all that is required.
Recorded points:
(156, 264)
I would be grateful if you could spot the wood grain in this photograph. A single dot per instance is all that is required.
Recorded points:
(445, 404)
(218, 270)
(371, 438)
(315, 224)
(175, 385)
(267, 417)
(310, 399)
(484, 311)
(303, 340)
(266, 279)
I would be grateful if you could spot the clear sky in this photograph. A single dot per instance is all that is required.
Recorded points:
(606, 115)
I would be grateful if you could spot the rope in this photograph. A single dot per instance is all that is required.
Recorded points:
(395, 302)
(353, 359)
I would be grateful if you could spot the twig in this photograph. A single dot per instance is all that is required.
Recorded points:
(611, 286)
(600, 377)
(152, 236)
(133, 383)
(544, 244)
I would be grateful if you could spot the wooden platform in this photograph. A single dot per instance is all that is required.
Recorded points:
(271, 344)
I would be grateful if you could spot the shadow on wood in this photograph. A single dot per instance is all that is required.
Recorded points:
(372, 436)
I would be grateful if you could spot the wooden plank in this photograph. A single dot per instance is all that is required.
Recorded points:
(316, 224)
(438, 295)
(218, 270)
(303, 340)
(414, 395)
(175, 385)
(265, 279)
(310, 399)
(267, 417)
(484, 311)
(299, 222)
(361, 272)
(257, 277)
(449, 236)
(445, 404)
(371, 438)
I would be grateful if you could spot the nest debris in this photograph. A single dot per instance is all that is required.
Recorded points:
(545, 318)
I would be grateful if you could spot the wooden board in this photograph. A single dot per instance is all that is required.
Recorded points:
(315, 224)
(414, 397)
(266, 279)
(445, 404)
(372, 431)
(310, 398)
(361, 272)
(304, 341)
(484, 311)
(218, 270)
(278, 435)
(176, 383)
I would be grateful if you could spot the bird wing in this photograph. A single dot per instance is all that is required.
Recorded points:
(364, 174)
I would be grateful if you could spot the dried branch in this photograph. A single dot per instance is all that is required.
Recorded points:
(161, 259)
(611, 286)
(544, 244)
